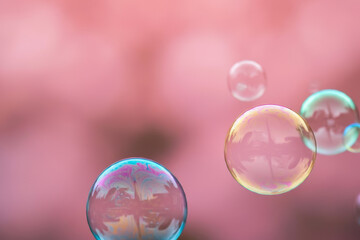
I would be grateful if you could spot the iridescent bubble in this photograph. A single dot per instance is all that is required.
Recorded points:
(136, 198)
(265, 150)
(329, 112)
(351, 137)
(247, 80)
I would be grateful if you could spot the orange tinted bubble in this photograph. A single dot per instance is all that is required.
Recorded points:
(265, 150)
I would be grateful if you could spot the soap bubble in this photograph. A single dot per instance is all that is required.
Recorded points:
(265, 150)
(247, 80)
(329, 112)
(314, 87)
(351, 137)
(136, 198)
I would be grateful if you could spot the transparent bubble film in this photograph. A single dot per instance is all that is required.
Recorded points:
(136, 198)
(329, 112)
(265, 150)
(247, 80)
(351, 137)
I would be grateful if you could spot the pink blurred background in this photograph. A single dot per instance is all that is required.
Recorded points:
(86, 83)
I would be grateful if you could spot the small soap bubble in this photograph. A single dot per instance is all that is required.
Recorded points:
(265, 150)
(351, 137)
(314, 87)
(329, 112)
(247, 80)
(136, 198)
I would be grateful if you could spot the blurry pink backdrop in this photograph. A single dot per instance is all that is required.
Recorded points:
(86, 83)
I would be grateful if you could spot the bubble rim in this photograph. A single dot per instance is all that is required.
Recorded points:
(278, 107)
(347, 129)
(232, 72)
(145, 161)
(333, 93)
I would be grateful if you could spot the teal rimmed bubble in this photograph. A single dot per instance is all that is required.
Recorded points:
(329, 112)
(351, 138)
(136, 198)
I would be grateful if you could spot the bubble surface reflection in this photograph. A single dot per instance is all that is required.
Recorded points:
(136, 198)
(265, 150)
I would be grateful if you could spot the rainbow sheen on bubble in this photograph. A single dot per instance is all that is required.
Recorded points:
(329, 112)
(265, 150)
(136, 198)
(351, 137)
(247, 80)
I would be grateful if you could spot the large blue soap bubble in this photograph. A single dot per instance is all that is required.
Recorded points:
(136, 198)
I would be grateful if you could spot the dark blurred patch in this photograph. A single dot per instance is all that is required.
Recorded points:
(314, 224)
(15, 118)
(152, 143)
